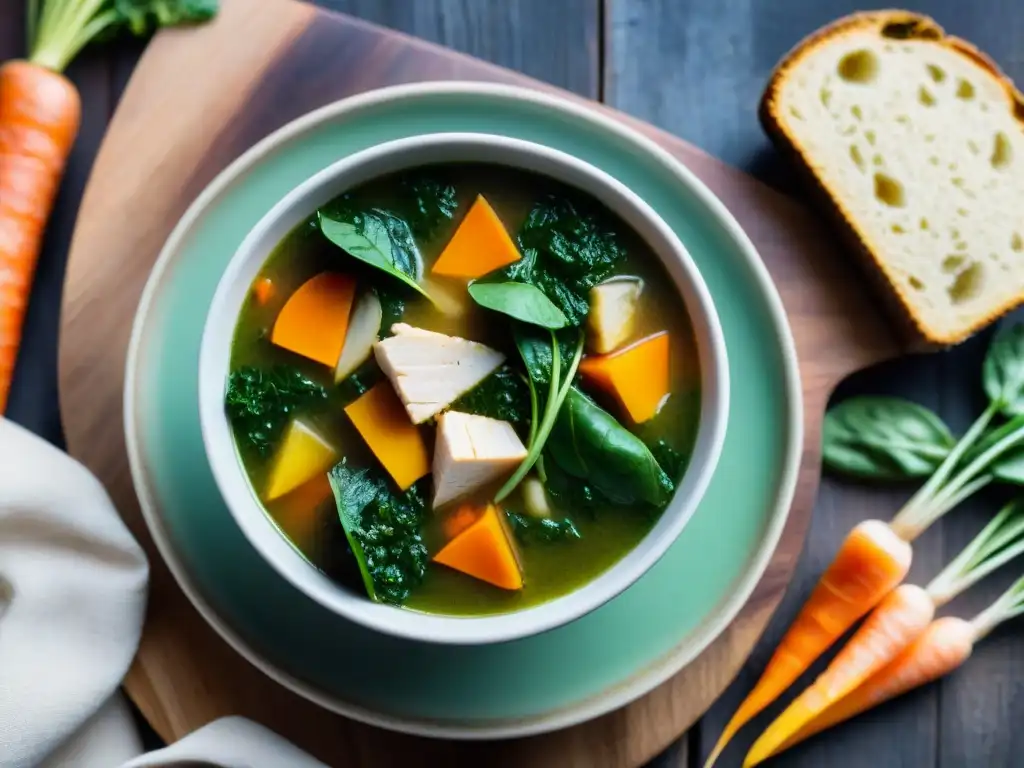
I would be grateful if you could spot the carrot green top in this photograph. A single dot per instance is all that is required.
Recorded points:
(59, 29)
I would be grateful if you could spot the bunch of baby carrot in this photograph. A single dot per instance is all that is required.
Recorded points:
(900, 645)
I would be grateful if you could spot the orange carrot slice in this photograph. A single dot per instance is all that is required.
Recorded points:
(314, 320)
(480, 245)
(484, 551)
(459, 520)
(869, 565)
(381, 419)
(263, 290)
(637, 376)
(898, 620)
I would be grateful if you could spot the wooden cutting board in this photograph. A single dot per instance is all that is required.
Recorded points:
(177, 126)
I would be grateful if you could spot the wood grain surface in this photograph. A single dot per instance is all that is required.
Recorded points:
(272, 67)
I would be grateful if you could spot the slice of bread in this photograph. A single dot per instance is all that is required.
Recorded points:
(914, 141)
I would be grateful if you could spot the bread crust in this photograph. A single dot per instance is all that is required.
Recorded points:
(905, 25)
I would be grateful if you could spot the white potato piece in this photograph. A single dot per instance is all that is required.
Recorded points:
(363, 328)
(612, 316)
(470, 452)
(535, 498)
(429, 370)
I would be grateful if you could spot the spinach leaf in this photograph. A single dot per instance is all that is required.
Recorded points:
(567, 248)
(520, 301)
(142, 17)
(259, 403)
(884, 438)
(570, 492)
(534, 530)
(371, 237)
(359, 381)
(587, 442)
(502, 395)
(426, 202)
(383, 530)
(1003, 370)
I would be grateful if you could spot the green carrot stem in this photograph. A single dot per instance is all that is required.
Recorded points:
(906, 523)
(1008, 606)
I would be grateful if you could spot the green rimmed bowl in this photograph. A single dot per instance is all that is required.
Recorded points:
(564, 676)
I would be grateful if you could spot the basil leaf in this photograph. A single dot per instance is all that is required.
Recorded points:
(368, 238)
(1002, 372)
(520, 301)
(587, 442)
(884, 438)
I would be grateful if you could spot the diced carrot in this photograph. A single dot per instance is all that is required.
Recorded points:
(263, 290)
(303, 455)
(637, 376)
(381, 419)
(459, 520)
(480, 245)
(484, 551)
(314, 320)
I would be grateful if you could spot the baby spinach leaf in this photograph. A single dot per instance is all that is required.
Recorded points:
(383, 529)
(370, 238)
(426, 201)
(567, 248)
(587, 442)
(1003, 370)
(533, 530)
(884, 438)
(520, 301)
(259, 403)
(502, 395)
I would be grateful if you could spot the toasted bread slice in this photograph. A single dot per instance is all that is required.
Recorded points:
(914, 142)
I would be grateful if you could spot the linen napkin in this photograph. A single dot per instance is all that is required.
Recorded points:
(72, 602)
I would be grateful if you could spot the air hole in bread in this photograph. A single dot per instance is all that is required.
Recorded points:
(920, 29)
(967, 284)
(1016, 242)
(796, 113)
(902, 119)
(878, 160)
(973, 146)
(897, 229)
(961, 246)
(826, 97)
(856, 112)
(856, 156)
(870, 136)
(962, 212)
(929, 137)
(916, 284)
(954, 233)
(889, 191)
(858, 66)
(849, 131)
(925, 97)
(964, 90)
(924, 223)
(937, 74)
(952, 262)
(933, 160)
(958, 181)
(1002, 151)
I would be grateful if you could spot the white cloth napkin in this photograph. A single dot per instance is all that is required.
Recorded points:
(72, 600)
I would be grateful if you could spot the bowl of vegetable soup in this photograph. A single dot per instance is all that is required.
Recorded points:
(462, 388)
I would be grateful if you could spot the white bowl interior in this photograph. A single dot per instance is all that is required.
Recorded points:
(383, 159)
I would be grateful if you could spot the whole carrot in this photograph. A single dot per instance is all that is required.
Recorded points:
(40, 111)
(895, 626)
(39, 117)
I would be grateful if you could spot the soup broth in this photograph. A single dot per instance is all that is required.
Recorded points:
(552, 559)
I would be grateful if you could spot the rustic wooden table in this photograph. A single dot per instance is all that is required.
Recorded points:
(696, 68)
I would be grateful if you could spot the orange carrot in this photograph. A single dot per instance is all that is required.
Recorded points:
(870, 563)
(484, 551)
(263, 290)
(314, 321)
(944, 645)
(637, 376)
(899, 619)
(39, 117)
(480, 245)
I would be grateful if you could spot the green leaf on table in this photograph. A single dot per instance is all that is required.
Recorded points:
(520, 301)
(1003, 370)
(369, 237)
(141, 17)
(884, 438)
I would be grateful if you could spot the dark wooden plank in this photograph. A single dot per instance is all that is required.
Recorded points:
(697, 69)
(556, 42)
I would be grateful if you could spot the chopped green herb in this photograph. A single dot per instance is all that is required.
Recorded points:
(535, 530)
(259, 403)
